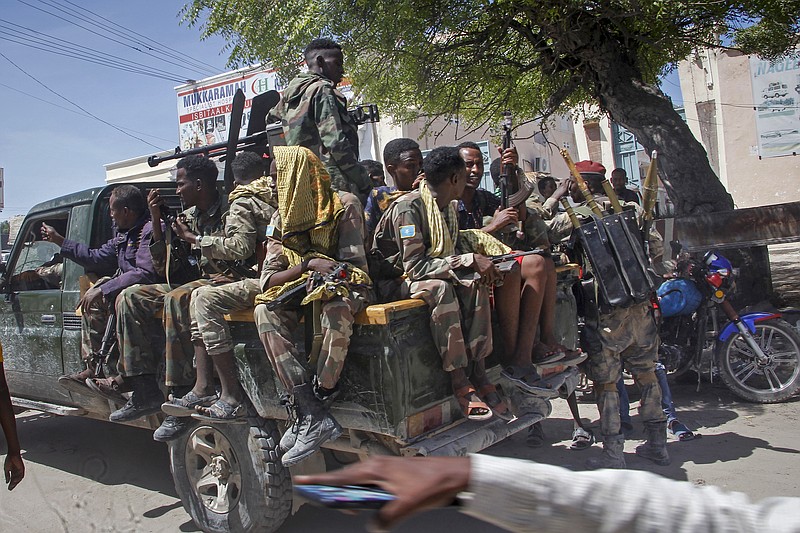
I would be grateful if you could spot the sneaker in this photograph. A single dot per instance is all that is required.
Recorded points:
(145, 400)
(171, 428)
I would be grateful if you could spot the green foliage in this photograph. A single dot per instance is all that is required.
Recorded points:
(476, 58)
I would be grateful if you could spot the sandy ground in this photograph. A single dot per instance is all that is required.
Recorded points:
(86, 475)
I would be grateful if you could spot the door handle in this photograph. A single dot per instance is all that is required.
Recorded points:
(49, 319)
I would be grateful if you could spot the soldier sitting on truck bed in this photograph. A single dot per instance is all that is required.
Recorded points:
(418, 240)
(314, 232)
(199, 225)
(252, 204)
(128, 252)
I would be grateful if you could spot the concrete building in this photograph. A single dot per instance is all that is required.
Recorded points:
(746, 112)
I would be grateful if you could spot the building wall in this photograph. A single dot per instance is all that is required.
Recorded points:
(718, 99)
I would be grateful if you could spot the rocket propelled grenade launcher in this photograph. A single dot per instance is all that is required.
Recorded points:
(590, 201)
(650, 187)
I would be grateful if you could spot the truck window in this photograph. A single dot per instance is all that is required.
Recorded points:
(38, 265)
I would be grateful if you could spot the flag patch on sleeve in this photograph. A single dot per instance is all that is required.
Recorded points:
(406, 232)
(270, 230)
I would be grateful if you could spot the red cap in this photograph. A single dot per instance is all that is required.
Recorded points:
(590, 167)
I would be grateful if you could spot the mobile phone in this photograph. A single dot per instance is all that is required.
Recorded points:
(345, 497)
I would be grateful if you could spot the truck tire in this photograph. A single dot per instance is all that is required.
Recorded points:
(776, 380)
(230, 477)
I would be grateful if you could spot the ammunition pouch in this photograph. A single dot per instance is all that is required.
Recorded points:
(614, 248)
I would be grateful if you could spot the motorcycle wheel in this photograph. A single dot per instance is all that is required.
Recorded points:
(773, 381)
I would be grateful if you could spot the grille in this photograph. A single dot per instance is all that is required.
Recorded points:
(72, 321)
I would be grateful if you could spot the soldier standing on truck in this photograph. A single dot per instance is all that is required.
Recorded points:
(615, 336)
(129, 253)
(252, 203)
(315, 115)
(313, 233)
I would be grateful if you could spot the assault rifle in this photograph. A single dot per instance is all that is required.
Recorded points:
(315, 279)
(497, 259)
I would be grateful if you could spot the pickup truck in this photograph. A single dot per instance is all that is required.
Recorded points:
(396, 399)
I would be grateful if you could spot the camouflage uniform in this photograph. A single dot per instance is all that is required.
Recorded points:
(138, 308)
(338, 314)
(628, 336)
(461, 321)
(246, 223)
(315, 116)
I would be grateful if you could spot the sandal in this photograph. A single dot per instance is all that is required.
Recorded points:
(499, 407)
(527, 379)
(581, 439)
(545, 355)
(573, 357)
(681, 431)
(221, 411)
(185, 406)
(471, 405)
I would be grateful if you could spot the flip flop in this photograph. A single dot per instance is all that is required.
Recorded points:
(185, 406)
(222, 412)
(547, 356)
(574, 357)
(528, 380)
(555, 381)
(500, 407)
(581, 439)
(471, 404)
(682, 432)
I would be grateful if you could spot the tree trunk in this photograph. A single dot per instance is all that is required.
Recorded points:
(683, 163)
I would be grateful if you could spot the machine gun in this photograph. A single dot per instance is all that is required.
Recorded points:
(365, 113)
(506, 172)
(315, 279)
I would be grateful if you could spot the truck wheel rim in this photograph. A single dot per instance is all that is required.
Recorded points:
(213, 470)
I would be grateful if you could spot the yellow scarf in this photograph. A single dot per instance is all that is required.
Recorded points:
(259, 188)
(445, 235)
(310, 211)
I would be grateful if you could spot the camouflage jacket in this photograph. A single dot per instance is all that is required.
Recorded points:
(350, 242)
(314, 115)
(401, 241)
(202, 223)
(245, 225)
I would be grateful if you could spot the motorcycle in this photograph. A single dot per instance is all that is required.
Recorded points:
(757, 354)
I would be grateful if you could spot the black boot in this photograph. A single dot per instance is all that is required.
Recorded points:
(612, 457)
(655, 448)
(145, 400)
(315, 425)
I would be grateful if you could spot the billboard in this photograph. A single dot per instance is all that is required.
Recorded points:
(204, 107)
(776, 97)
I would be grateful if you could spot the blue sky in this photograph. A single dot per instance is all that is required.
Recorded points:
(50, 150)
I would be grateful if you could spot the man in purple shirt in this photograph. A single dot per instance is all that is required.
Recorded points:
(128, 252)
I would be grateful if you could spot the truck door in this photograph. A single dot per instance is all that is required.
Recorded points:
(31, 312)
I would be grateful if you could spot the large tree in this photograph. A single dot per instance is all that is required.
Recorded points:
(473, 59)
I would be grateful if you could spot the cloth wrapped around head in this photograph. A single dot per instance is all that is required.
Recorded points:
(310, 211)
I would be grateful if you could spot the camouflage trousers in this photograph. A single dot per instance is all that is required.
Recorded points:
(461, 319)
(139, 330)
(275, 329)
(93, 327)
(208, 306)
(629, 337)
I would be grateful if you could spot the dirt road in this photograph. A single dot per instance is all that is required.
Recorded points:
(85, 475)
